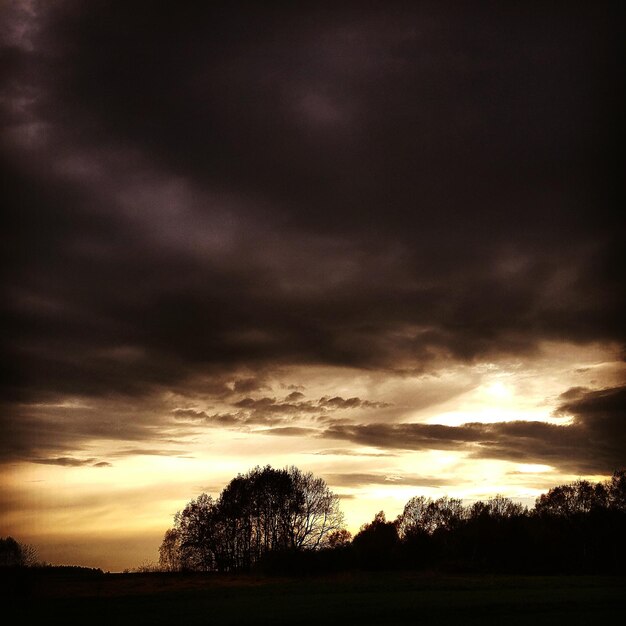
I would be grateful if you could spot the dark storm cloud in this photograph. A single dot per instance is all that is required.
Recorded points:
(51, 431)
(595, 441)
(192, 192)
(246, 385)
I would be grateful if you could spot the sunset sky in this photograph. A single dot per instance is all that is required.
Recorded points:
(380, 241)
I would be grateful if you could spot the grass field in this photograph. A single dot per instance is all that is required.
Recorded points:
(360, 598)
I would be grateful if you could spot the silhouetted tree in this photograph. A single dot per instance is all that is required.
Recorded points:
(16, 554)
(265, 510)
(169, 551)
(376, 543)
(494, 535)
(616, 491)
(317, 512)
(496, 508)
(424, 515)
(581, 526)
(339, 538)
(199, 533)
(573, 499)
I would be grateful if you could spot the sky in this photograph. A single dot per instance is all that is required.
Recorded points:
(379, 241)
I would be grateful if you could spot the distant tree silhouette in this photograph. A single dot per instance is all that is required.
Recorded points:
(265, 510)
(10, 552)
(581, 526)
(577, 498)
(339, 538)
(199, 531)
(425, 527)
(576, 527)
(493, 535)
(16, 554)
(169, 551)
(425, 516)
(616, 491)
(376, 543)
(496, 508)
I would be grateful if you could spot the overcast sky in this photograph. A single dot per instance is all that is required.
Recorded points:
(380, 241)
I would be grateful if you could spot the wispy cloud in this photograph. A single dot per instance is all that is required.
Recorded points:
(68, 461)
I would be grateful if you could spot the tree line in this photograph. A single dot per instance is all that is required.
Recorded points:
(288, 521)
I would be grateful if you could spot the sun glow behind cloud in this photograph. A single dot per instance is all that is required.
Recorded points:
(147, 482)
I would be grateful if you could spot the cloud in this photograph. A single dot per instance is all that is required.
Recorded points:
(574, 393)
(432, 221)
(53, 429)
(190, 414)
(356, 479)
(594, 443)
(385, 189)
(599, 408)
(352, 452)
(292, 431)
(270, 411)
(350, 403)
(67, 461)
(294, 396)
(246, 385)
(150, 452)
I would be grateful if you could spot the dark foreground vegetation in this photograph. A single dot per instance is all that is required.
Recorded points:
(286, 522)
(362, 598)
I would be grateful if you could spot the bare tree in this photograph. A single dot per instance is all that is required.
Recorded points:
(497, 507)
(16, 554)
(318, 513)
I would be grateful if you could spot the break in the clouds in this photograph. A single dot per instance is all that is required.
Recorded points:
(593, 443)
(200, 202)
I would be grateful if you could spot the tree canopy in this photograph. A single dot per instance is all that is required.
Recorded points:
(265, 510)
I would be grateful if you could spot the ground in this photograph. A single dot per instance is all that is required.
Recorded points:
(356, 598)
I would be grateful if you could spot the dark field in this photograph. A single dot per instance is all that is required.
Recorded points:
(362, 598)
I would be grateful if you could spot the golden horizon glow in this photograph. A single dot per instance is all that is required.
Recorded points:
(72, 513)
